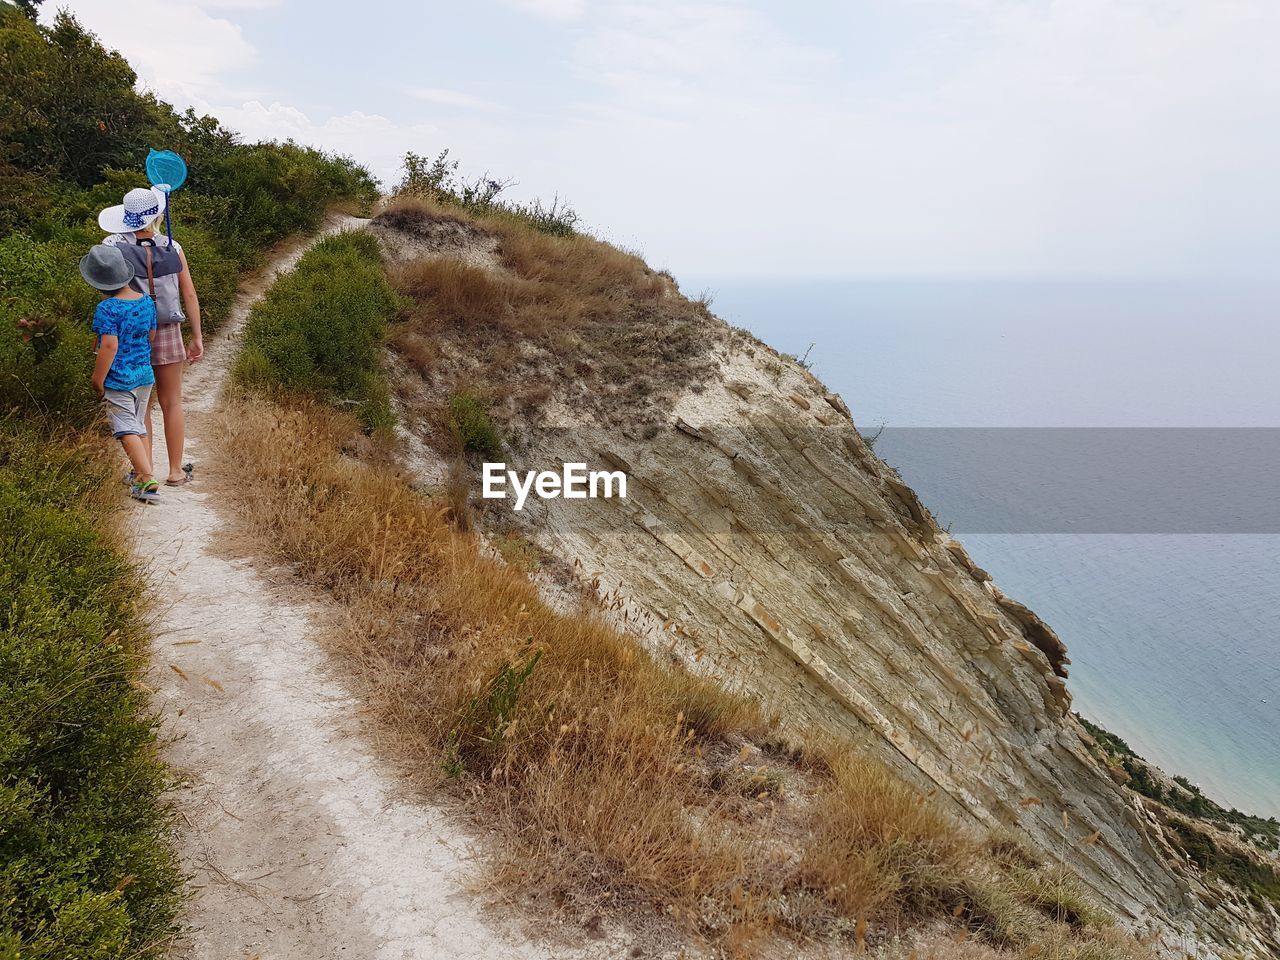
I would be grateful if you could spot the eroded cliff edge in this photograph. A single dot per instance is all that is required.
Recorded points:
(763, 542)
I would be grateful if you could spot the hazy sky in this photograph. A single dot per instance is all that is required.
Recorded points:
(864, 137)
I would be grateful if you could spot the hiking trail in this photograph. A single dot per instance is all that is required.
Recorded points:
(300, 842)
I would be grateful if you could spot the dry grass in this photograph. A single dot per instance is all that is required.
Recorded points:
(453, 293)
(611, 334)
(1055, 943)
(879, 845)
(593, 754)
(615, 776)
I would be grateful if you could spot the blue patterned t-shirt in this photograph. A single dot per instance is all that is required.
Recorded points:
(131, 322)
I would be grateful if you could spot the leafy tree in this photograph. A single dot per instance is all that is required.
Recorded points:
(68, 108)
(30, 7)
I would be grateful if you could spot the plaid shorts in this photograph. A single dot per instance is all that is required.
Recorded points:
(168, 346)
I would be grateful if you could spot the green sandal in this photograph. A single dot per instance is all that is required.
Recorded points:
(148, 492)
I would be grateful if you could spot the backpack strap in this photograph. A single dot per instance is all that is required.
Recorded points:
(149, 245)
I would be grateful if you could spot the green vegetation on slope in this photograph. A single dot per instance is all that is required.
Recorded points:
(74, 136)
(85, 870)
(319, 330)
(1259, 881)
(470, 424)
(1232, 863)
(1183, 796)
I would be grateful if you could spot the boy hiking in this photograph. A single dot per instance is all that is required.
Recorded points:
(125, 323)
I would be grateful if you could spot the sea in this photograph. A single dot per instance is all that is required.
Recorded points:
(1109, 450)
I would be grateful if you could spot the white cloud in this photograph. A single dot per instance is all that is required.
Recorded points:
(1107, 136)
(730, 135)
(180, 49)
(698, 56)
(451, 98)
(554, 9)
(372, 139)
(190, 57)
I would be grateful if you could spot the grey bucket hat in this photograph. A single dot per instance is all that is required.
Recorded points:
(105, 268)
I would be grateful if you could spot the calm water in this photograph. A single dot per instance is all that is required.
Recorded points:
(1174, 635)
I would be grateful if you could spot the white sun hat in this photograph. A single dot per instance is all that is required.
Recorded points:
(140, 207)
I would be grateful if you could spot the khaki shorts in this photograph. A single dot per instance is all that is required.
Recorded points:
(128, 410)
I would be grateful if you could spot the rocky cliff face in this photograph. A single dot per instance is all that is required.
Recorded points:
(766, 540)
(763, 542)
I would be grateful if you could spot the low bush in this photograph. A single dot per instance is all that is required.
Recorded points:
(319, 331)
(85, 869)
(45, 348)
(265, 192)
(438, 180)
(518, 551)
(471, 427)
(1259, 881)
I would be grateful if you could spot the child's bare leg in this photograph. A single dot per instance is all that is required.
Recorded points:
(135, 448)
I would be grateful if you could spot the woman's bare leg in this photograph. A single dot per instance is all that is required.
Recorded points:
(146, 441)
(168, 394)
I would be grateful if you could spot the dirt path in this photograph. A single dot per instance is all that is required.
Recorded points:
(298, 843)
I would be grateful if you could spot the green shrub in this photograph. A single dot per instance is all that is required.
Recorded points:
(273, 190)
(1259, 881)
(470, 423)
(45, 355)
(85, 868)
(68, 108)
(487, 717)
(438, 180)
(319, 331)
(374, 413)
(518, 552)
(216, 271)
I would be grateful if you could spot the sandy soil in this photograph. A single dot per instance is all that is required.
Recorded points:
(299, 843)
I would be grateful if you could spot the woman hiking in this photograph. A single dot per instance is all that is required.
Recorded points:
(160, 267)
